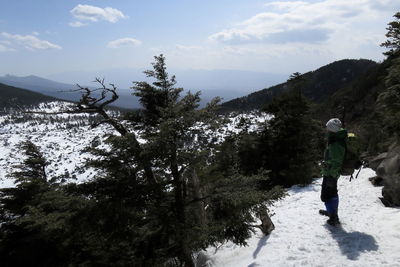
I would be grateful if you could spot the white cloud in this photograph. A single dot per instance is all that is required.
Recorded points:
(290, 36)
(4, 47)
(30, 42)
(124, 42)
(188, 47)
(77, 24)
(285, 5)
(5, 42)
(94, 14)
(302, 22)
(231, 35)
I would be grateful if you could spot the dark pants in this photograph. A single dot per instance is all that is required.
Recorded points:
(329, 195)
(329, 188)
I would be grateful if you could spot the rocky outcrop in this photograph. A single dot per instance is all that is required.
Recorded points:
(376, 181)
(266, 226)
(376, 161)
(387, 166)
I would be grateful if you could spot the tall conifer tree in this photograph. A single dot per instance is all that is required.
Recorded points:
(294, 135)
(36, 216)
(154, 193)
(388, 102)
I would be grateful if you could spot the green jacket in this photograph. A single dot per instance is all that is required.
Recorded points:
(334, 153)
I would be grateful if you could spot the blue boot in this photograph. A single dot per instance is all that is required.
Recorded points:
(332, 206)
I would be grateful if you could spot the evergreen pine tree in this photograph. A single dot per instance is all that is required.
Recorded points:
(163, 191)
(150, 197)
(294, 137)
(35, 216)
(388, 102)
(393, 35)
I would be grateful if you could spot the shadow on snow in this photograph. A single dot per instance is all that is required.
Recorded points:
(352, 244)
(261, 243)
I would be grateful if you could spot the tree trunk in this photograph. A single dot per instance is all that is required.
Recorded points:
(196, 194)
(267, 226)
(184, 253)
(123, 132)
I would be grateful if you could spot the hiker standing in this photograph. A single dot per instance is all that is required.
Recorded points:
(333, 159)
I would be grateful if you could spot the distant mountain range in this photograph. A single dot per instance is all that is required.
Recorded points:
(227, 84)
(62, 90)
(11, 96)
(41, 85)
(319, 85)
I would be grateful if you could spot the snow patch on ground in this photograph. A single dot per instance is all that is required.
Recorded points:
(61, 138)
(369, 234)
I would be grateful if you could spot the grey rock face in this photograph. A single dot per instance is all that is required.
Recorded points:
(389, 170)
(375, 162)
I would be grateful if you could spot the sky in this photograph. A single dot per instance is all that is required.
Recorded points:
(44, 37)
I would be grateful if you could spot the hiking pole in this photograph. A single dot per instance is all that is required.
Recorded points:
(359, 170)
(351, 177)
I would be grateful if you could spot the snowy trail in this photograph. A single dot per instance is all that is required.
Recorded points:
(369, 235)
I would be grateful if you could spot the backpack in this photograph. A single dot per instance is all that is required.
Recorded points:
(352, 159)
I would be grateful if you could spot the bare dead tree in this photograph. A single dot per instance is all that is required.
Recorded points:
(90, 103)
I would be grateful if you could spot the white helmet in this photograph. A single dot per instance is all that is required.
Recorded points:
(334, 125)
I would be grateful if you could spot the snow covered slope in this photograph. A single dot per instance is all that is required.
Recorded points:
(61, 138)
(369, 235)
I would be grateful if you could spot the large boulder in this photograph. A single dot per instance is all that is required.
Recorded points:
(389, 170)
(376, 161)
